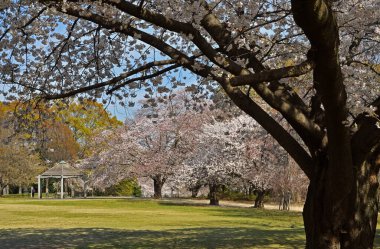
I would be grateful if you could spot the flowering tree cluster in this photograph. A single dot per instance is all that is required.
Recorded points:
(330, 50)
(233, 152)
(153, 145)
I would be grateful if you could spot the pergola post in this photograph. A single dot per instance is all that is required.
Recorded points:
(62, 187)
(39, 187)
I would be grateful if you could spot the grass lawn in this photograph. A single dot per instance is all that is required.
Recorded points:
(129, 223)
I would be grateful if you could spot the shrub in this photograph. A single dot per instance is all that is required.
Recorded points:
(127, 187)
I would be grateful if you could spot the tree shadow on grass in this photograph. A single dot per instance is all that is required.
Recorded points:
(239, 237)
(293, 238)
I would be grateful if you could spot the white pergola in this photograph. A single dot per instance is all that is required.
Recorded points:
(62, 170)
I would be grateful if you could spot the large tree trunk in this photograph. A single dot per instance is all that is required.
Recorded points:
(341, 206)
(259, 201)
(158, 183)
(361, 228)
(354, 226)
(213, 195)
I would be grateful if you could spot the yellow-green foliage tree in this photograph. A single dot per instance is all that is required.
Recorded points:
(19, 164)
(58, 143)
(37, 124)
(86, 120)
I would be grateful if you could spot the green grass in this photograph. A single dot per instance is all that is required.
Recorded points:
(143, 224)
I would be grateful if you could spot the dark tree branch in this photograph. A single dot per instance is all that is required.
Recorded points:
(109, 82)
(30, 21)
(371, 67)
(145, 77)
(273, 74)
(367, 135)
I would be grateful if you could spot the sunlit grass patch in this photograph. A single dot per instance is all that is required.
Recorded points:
(143, 224)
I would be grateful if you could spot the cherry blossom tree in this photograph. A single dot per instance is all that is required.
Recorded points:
(152, 145)
(268, 158)
(290, 184)
(111, 161)
(314, 62)
(231, 152)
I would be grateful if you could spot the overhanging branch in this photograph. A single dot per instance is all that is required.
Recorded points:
(108, 82)
(274, 74)
(145, 77)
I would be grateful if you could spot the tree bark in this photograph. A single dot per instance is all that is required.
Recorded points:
(259, 201)
(158, 183)
(213, 195)
(361, 228)
(354, 227)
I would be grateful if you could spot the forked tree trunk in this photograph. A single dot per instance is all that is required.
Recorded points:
(354, 225)
(213, 195)
(285, 201)
(259, 201)
(158, 183)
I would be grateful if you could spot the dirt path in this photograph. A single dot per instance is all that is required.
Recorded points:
(270, 206)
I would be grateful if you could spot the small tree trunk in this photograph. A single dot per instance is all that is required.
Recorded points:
(259, 201)
(281, 202)
(213, 195)
(47, 187)
(158, 183)
(6, 190)
(20, 190)
(66, 186)
(250, 190)
(286, 201)
(297, 197)
(194, 191)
